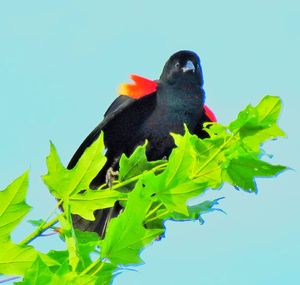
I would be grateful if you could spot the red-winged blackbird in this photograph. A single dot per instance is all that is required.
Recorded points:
(148, 110)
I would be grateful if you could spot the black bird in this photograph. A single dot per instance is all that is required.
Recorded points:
(148, 110)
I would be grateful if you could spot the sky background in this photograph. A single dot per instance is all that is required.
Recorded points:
(60, 65)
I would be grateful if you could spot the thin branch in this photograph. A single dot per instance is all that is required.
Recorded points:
(38, 231)
(10, 279)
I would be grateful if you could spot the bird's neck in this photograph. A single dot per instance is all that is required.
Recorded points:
(189, 96)
(178, 105)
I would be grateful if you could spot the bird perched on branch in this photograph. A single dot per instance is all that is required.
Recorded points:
(148, 110)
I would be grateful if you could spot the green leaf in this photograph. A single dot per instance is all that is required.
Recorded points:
(175, 197)
(182, 178)
(253, 139)
(182, 159)
(174, 186)
(84, 204)
(37, 222)
(264, 115)
(196, 164)
(215, 130)
(231, 154)
(268, 110)
(60, 256)
(210, 155)
(264, 126)
(13, 207)
(15, 259)
(87, 243)
(136, 164)
(246, 118)
(70, 238)
(126, 235)
(196, 211)
(38, 273)
(106, 274)
(243, 169)
(63, 182)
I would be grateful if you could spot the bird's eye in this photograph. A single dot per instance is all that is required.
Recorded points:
(177, 65)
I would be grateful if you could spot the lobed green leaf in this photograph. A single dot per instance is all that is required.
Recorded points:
(13, 207)
(15, 259)
(151, 193)
(62, 182)
(243, 170)
(126, 235)
(136, 164)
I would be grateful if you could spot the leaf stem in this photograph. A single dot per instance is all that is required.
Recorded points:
(98, 269)
(216, 153)
(10, 279)
(137, 177)
(38, 231)
(158, 216)
(151, 212)
(91, 266)
(70, 237)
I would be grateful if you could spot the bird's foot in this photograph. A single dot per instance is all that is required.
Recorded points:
(111, 176)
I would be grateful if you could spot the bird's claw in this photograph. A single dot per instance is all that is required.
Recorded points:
(111, 176)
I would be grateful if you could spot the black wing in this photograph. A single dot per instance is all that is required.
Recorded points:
(119, 104)
(204, 119)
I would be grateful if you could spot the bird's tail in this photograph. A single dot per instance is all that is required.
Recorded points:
(102, 218)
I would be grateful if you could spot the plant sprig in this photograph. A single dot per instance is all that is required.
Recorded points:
(151, 193)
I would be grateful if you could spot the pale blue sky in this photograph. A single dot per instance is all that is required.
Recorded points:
(60, 65)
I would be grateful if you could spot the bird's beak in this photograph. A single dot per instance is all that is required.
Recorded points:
(189, 66)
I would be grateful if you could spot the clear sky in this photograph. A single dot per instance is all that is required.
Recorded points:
(60, 65)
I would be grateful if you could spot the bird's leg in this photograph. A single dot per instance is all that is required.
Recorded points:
(112, 173)
(111, 176)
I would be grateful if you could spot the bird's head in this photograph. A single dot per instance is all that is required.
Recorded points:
(181, 68)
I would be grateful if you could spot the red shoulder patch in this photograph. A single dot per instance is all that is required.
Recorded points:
(140, 88)
(209, 113)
